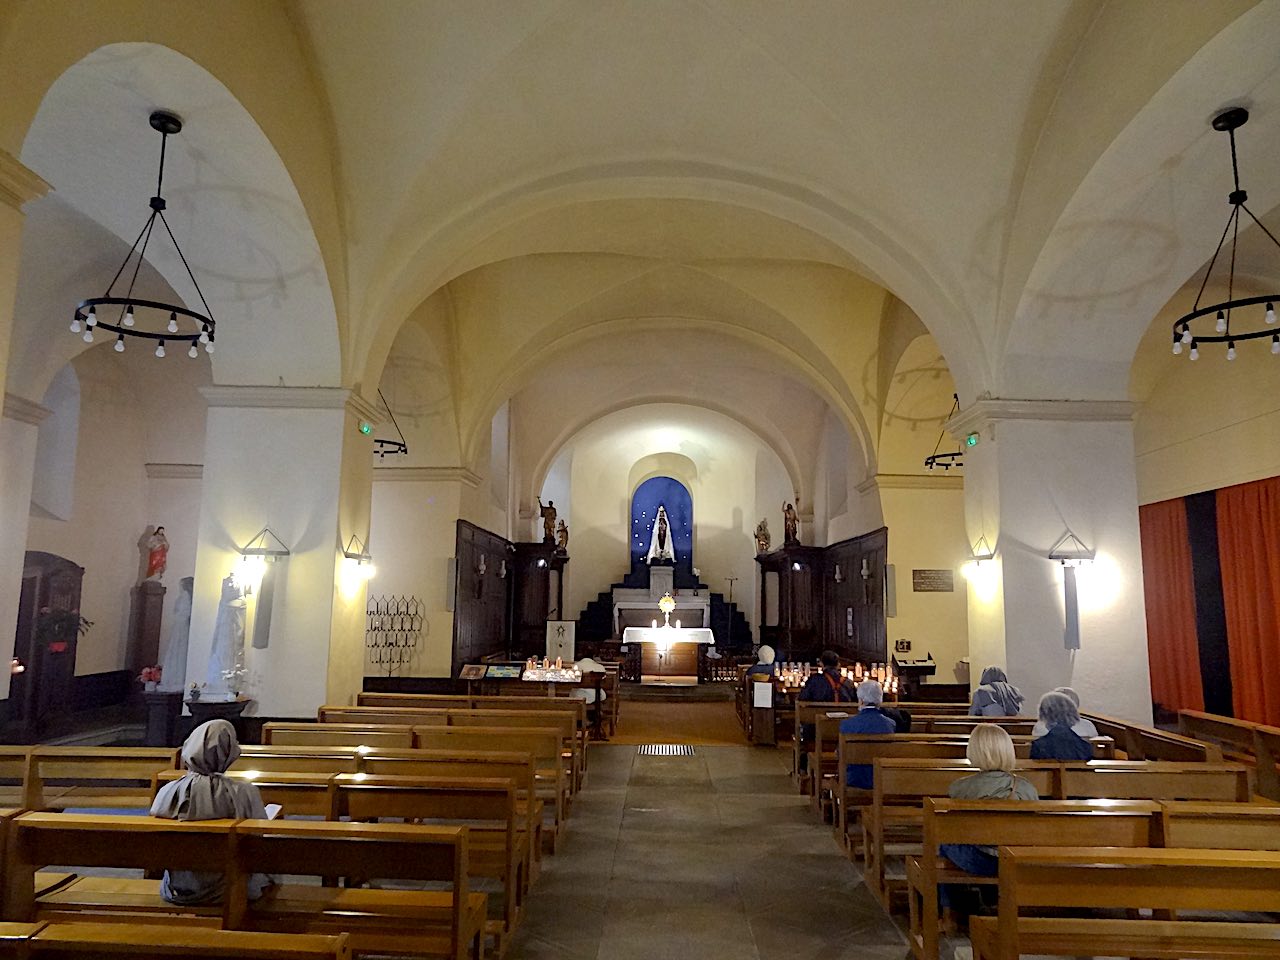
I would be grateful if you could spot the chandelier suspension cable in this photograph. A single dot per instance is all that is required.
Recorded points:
(1228, 122)
(951, 459)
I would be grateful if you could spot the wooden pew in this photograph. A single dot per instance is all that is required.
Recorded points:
(447, 923)
(1043, 823)
(383, 716)
(1219, 826)
(566, 723)
(98, 940)
(519, 768)
(807, 712)
(1255, 743)
(279, 734)
(445, 701)
(896, 811)
(496, 848)
(1115, 878)
(963, 726)
(543, 743)
(1156, 780)
(1148, 743)
(61, 778)
(296, 759)
(13, 774)
(299, 794)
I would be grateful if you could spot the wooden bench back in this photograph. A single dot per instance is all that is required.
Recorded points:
(337, 735)
(298, 759)
(508, 765)
(97, 940)
(436, 701)
(1257, 741)
(1040, 823)
(1220, 826)
(363, 797)
(300, 794)
(1147, 743)
(383, 716)
(566, 723)
(89, 776)
(910, 781)
(963, 726)
(1157, 780)
(543, 743)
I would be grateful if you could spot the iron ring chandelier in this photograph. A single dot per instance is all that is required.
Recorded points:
(201, 328)
(1183, 336)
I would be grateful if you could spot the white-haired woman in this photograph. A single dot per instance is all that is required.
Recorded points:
(1081, 728)
(764, 665)
(1060, 742)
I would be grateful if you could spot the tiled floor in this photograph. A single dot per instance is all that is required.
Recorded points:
(699, 858)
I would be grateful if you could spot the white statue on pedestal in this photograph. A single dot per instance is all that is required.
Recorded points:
(660, 540)
(226, 656)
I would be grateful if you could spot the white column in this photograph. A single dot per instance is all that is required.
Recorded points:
(1042, 468)
(19, 431)
(292, 459)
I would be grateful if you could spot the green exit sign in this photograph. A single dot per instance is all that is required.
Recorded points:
(971, 440)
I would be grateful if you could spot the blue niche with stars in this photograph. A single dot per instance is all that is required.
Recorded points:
(673, 495)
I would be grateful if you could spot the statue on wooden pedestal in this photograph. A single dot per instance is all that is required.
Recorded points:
(660, 541)
(763, 539)
(790, 526)
(548, 513)
(562, 537)
(157, 555)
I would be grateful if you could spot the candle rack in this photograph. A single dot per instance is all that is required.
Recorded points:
(393, 628)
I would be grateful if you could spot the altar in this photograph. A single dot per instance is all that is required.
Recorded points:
(636, 607)
(669, 653)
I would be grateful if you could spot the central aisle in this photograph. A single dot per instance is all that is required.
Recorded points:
(713, 857)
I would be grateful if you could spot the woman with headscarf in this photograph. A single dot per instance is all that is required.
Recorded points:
(996, 696)
(1059, 714)
(205, 794)
(1081, 728)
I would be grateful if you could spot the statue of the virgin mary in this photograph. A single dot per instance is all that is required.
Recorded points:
(660, 539)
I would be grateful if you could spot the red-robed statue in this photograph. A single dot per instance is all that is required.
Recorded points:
(157, 555)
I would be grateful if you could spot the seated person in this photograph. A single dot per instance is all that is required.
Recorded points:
(900, 716)
(205, 794)
(826, 686)
(765, 666)
(996, 696)
(869, 719)
(587, 693)
(1059, 714)
(991, 751)
(1081, 728)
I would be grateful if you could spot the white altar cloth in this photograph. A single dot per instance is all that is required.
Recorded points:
(668, 635)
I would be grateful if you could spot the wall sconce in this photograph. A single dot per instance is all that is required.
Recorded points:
(542, 563)
(502, 569)
(265, 547)
(866, 569)
(482, 568)
(982, 551)
(839, 577)
(1071, 552)
(795, 565)
(356, 552)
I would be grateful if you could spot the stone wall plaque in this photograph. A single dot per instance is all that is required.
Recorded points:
(933, 581)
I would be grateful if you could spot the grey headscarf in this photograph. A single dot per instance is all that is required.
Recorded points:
(205, 794)
(1057, 710)
(996, 696)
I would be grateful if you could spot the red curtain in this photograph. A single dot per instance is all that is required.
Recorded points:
(1249, 549)
(1172, 646)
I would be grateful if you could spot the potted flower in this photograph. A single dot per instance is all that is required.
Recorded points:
(194, 693)
(55, 629)
(150, 677)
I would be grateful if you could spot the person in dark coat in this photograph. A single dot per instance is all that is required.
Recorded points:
(1059, 714)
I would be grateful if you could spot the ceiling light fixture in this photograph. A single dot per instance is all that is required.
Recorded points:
(956, 457)
(1184, 337)
(393, 447)
(163, 317)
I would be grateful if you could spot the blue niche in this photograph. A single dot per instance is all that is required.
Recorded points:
(673, 495)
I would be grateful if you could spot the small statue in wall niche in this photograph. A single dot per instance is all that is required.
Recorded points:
(548, 513)
(562, 537)
(157, 555)
(790, 526)
(763, 540)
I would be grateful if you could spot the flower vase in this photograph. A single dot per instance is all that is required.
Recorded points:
(149, 685)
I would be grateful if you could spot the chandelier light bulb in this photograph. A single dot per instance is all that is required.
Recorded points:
(1231, 350)
(1271, 313)
(160, 349)
(75, 323)
(1221, 325)
(92, 318)
(1275, 343)
(204, 334)
(128, 315)
(1195, 350)
(1186, 333)
(119, 347)
(208, 347)
(88, 335)
(193, 352)
(1177, 347)
(173, 323)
